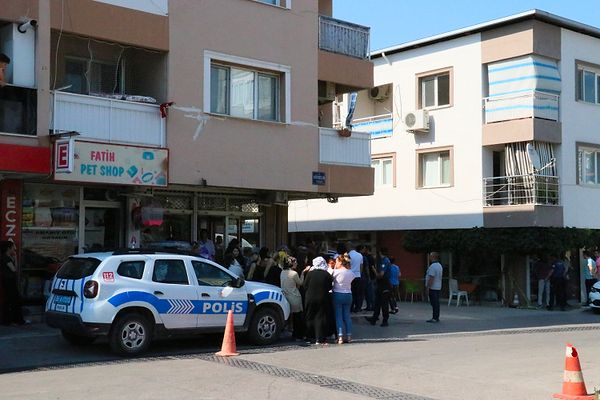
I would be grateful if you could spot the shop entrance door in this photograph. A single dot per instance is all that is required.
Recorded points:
(215, 227)
(102, 227)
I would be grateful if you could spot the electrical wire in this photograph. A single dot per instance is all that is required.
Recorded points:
(60, 33)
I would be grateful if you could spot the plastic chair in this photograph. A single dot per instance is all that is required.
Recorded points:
(413, 289)
(453, 291)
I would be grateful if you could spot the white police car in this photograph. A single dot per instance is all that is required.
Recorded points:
(595, 298)
(135, 296)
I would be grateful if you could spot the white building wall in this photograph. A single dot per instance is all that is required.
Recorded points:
(580, 122)
(460, 126)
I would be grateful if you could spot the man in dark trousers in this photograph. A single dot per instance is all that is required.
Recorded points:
(383, 289)
(433, 280)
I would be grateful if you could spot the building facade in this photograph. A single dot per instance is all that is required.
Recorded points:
(137, 123)
(491, 126)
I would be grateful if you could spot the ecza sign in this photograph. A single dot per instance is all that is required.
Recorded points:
(63, 155)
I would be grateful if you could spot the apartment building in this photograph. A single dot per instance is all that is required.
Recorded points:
(491, 126)
(128, 123)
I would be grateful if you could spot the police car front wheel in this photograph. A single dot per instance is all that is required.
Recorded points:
(266, 326)
(130, 335)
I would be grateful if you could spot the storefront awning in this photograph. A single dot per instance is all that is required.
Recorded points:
(24, 159)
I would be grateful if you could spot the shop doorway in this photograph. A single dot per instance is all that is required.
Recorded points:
(215, 227)
(244, 229)
(102, 227)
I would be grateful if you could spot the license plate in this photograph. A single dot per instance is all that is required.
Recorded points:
(62, 300)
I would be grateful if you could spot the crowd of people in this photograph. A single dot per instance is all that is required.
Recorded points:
(323, 288)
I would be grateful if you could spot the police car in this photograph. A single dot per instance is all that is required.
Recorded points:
(595, 298)
(133, 297)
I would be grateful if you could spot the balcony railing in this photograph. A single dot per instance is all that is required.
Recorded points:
(520, 190)
(335, 149)
(530, 104)
(377, 125)
(343, 37)
(109, 120)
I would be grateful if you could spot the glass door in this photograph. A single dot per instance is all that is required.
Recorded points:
(103, 229)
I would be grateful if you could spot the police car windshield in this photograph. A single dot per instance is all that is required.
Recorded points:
(77, 268)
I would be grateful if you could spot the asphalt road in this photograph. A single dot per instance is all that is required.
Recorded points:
(473, 353)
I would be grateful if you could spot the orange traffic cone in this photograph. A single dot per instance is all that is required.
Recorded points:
(228, 346)
(573, 384)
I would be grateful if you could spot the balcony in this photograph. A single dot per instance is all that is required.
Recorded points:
(109, 120)
(377, 126)
(530, 104)
(343, 37)
(521, 189)
(349, 151)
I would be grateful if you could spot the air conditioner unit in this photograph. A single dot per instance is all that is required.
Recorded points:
(417, 121)
(379, 93)
(326, 92)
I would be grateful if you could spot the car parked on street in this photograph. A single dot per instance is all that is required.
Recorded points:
(595, 298)
(134, 296)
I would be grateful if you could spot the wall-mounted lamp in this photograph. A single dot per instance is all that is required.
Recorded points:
(332, 199)
(32, 23)
(203, 182)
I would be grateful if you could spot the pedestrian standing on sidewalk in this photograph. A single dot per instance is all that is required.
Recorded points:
(342, 297)
(541, 269)
(433, 282)
(11, 313)
(589, 273)
(395, 282)
(317, 302)
(558, 282)
(382, 289)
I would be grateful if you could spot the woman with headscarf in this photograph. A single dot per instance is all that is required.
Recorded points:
(290, 284)
(317, 284)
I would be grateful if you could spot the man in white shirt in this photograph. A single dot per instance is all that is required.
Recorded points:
(433, 282)
(207, 247)
(356, 261)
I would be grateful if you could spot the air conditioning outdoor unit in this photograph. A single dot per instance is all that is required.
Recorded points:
(379, 93)
(417, 121)
(326, 91)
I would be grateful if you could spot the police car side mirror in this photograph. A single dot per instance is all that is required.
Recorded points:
(237, 282)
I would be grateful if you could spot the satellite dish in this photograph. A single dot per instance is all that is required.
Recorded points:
(534, 157)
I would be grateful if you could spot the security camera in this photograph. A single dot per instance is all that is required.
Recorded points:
(32, 23)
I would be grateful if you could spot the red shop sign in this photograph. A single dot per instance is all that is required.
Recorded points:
(10, 209)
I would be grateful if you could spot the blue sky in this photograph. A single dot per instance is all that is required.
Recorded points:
(394, 22)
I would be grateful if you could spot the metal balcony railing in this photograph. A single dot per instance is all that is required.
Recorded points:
(521, 190)
(108, 119)
(335, 149)
(529, 104)
(343, 37)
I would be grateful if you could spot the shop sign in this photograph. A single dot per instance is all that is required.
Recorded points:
(117, 164)
(10, 204)
(63, 155)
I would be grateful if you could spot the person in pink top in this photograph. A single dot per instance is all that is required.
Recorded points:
(342, 297)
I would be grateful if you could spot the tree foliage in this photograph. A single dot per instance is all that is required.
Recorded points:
(533, 240)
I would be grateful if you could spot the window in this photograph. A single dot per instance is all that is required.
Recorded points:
(434, 89)
(434, 168)
(170, 271)
(244, 93)
(384, 171)
(86, 76)
(589, 164)
(246, 88)
(131, 269)
(588, 83)
(209, 275)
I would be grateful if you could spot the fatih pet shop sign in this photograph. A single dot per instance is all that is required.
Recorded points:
(118, 164)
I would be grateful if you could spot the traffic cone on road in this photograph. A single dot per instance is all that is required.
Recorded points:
(573, 385)
(228, 346)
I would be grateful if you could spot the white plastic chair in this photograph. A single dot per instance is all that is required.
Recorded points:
(453, 286)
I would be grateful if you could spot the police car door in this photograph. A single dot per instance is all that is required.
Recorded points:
(171, 285)
(217, 297)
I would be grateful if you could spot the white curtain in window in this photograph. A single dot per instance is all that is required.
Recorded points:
(431, 170)
(267, 97)
(242, 93)
(387, 172)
